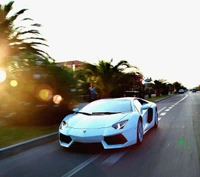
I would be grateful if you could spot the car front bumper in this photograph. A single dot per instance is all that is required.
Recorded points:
(108, 137)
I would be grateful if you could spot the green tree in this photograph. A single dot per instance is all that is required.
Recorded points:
(177, 85)
(158, 85)
(38, 78)
(18, 40)
(162, 87)
(105, 77)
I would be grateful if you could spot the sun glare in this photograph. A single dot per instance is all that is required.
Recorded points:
(2, 75)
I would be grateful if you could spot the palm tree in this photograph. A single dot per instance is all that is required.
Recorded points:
(162, 87)
(177, 85)
(104, 76)
(16, 41)
(158, 84)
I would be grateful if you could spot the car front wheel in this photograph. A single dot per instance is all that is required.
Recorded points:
(139, 132)
(156, 120)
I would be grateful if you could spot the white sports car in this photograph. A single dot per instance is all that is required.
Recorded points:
(113, 122)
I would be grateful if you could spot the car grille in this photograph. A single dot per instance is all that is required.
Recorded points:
(65, 139)
(116, 139)
(89, 146)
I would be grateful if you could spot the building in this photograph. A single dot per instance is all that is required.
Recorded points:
(73, 64)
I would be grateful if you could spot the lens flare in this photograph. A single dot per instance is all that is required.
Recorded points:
(44, 92)
(57, 99)
(13, 83)
(180, 142)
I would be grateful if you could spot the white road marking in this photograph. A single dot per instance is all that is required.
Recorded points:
(163, 113)
(168, 109)
(161, 109)
(82, 165)
(159, 119)
(182, 99)
(113, 159)
(168, 144)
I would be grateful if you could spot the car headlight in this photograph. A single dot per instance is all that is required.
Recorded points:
(119, 125)
(63, 125)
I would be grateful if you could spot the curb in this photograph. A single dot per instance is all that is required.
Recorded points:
(26, 145)
(18, 148)
(156, 101)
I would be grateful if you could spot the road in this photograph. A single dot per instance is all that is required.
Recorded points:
(172, 150)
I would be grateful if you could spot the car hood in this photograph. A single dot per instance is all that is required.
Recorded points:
(94, 121)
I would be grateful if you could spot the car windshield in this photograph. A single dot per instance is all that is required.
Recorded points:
(108, 106)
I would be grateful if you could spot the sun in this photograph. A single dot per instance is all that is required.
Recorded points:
(2, 75)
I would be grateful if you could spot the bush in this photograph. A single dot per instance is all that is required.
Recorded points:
(37, 115)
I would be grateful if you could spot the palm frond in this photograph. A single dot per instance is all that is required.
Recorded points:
(16, 15)
(27, 19)
(36, 32)
(8, 7)
(36, 25)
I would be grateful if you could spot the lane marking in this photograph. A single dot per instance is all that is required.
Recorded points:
(161, 109)
(182, 99)
(113, 158)
(82, 165)
(167, 109)
(163, 113)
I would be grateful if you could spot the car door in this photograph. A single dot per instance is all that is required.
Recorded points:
(149, 116)
(143, 113)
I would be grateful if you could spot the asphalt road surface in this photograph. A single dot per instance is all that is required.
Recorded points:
(172, 150)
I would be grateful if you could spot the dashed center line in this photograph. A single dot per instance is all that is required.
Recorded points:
(169, 108)
(82, 165)
(161, 109)
(163, 113)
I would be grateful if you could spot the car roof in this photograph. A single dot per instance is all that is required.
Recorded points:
(123, 98)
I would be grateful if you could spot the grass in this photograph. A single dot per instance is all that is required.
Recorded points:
(10, 135)
(156, 98)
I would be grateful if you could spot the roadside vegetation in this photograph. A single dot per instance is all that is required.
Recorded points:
(37, 92)
(11, 135)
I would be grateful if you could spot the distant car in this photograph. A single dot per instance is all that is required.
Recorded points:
(194, 90)
(112, 122)
(181, 91)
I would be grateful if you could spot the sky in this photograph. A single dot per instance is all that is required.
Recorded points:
(160, 37)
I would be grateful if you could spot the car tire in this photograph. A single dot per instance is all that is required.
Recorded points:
(140, 132)
(156, 120)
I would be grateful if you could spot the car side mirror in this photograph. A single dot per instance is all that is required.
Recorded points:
(75, 110)
(145, 107)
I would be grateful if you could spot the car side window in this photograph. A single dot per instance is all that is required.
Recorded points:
(137, 105)
(142, 101)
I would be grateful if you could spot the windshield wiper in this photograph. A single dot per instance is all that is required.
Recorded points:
(107, 113)
(85, 113)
